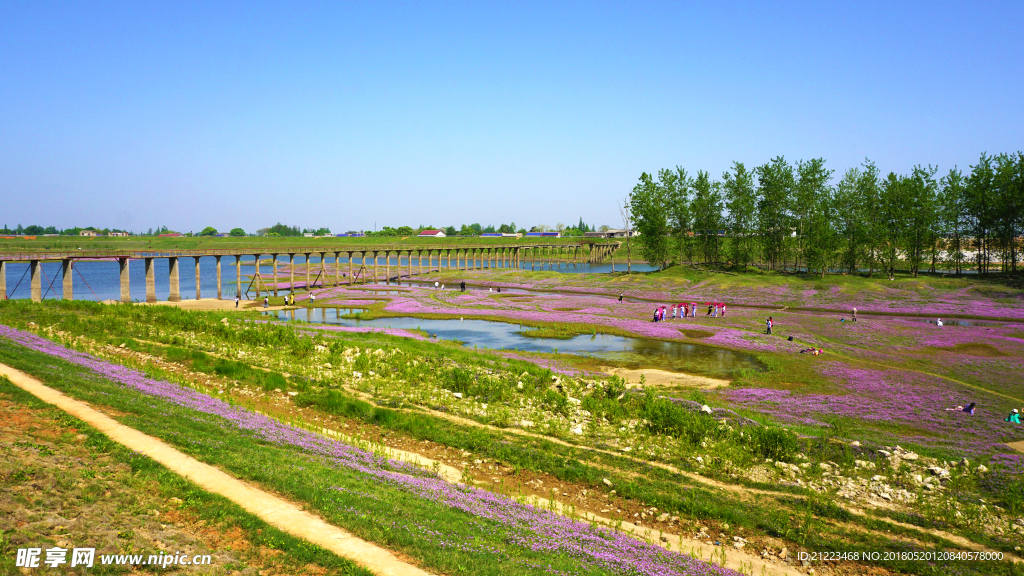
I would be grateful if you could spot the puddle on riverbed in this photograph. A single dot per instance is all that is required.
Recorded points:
(618, 350)
(956, 322)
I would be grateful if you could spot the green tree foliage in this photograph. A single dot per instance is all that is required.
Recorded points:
(236, 232)
(208, 231)
(775, 183)
(649, 205)
(708, 223)
(781, 216)
(741, 202)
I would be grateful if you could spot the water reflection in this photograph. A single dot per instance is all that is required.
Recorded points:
(618, 350)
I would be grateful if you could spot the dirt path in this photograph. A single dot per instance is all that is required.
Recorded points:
(272, 509)
(655, 377)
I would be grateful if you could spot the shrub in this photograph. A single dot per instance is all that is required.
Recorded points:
(774, 442)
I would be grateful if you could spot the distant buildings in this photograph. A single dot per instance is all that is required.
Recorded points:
(544, 234)
(88, 233)
(501, 235)
(611, 233)
(432, 234)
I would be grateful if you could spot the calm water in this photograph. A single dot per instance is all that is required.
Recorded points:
(623, 351)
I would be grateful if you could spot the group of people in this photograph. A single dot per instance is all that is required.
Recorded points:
(686, 310)
(1013, 417)
(289, 300)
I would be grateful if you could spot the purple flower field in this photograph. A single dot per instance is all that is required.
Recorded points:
(911, 403)
(529, 527)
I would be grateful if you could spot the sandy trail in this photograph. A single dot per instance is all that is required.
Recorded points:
(655, 377)
(282, 514)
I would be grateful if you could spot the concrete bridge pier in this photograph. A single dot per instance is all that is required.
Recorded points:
(126, 290)
(337, 268)
(350, 278)
(3, 280)
(219, 291)
(172, 269)
(307, 254)
(273, 262)
(36, 282)
(199, 294)
(150, 281)
(67, 268)
(291, 272)
(323, 269)
(387, 265)
(238, 276)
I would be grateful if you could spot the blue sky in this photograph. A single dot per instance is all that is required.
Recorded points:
(141, 114)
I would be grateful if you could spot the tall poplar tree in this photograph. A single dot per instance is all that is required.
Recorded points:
(741, 202)
(649, 209)
(775, 185)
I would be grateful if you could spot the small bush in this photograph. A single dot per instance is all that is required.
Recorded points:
(775, 443)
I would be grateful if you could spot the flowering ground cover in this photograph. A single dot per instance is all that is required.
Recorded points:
(916, 296)
(582, 411)
(907, 404)
(947, 365)
(443, 525)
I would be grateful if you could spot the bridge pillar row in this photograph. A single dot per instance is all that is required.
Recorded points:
(220, 293)
(36, 271)
(126, 289)
(3, 280)
(150, 281)
(173, 273)
(238, 276)
(273, 263)
(348, 255)
(307, 255)
(67, 268)
(199, 293)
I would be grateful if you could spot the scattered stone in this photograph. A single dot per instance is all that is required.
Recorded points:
(458, 394)
(855, 444)
(783, 553)
(606, 481)
(705, 409)
(577, 430)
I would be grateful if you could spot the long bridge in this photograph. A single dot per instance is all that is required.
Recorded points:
(463, 257)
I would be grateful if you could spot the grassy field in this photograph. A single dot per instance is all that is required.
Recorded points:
(66, 484)
(501, 418)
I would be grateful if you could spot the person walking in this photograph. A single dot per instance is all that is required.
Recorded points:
(312, 298)
(686, 310)
(620, 296)
(770, 324)
(463, 286)
(854, 313)
(710, 308)
(673, 311)
(266, 302)
(655, 314)
(723, 309)
(715, 313)
(693, 309)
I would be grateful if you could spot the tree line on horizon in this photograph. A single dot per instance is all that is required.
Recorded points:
(783, 216)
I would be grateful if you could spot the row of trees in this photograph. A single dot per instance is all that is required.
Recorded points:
(36, 230)
(476, 229)
(782, 216)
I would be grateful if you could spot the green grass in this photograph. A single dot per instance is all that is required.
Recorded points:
(209, 508)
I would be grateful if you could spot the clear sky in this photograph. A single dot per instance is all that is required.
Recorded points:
(142, 114)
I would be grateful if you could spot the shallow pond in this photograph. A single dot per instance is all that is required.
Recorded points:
(617, 350)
